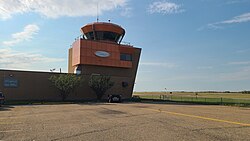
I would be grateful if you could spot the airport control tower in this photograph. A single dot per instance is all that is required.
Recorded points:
(99, 51)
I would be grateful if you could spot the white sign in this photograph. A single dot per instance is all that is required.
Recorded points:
(10, 82)
(102, 54)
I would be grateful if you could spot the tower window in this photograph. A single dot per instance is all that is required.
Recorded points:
(108, 36)
(125, 57)
(90, 36)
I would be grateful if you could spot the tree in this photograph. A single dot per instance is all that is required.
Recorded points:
(66, 83)
(100, 84)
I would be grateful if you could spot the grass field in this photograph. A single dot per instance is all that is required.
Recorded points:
(198, 97)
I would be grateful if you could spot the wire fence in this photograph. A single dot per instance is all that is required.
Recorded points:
(196, 99)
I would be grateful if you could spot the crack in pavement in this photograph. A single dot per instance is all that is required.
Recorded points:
(96, 131)
(83, 133)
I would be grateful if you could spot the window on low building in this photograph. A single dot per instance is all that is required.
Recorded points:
(124, 84)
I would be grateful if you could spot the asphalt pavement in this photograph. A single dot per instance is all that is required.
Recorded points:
(125, 122)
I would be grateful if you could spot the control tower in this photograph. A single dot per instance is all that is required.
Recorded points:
(99, 51)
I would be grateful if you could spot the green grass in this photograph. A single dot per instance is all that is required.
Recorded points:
(200, 94)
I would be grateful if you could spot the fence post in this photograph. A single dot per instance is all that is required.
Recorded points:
(221, 101)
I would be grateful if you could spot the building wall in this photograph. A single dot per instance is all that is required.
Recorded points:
(30, 86)
(119, 74)
(36, 86)
(70, 68)
(83, 52)
(83, 56)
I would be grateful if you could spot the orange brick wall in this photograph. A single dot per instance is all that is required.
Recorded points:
(84, 53)
(76, 52)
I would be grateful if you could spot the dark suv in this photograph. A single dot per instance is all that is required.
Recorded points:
(1, 98)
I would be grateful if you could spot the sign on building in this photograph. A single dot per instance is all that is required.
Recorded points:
(10, 83)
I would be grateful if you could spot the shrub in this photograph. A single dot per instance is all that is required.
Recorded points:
(100, 84)
(66, 83)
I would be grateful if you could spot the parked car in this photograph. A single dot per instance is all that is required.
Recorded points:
(1, 98)
(114, 98)
(136, 99)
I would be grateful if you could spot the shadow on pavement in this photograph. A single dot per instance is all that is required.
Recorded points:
(142, 102)
(94, 103)
(6, 108)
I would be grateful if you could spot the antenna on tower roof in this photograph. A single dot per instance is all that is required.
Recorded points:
(97, 13)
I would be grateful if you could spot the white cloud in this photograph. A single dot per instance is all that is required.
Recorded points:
(242, 74)
(27, 34)
(237, 19)
(9, 7)
(126, 12)
(236, 1)
(205, 67)
(237, 75)
(165, 7)
(239, 63)
(243, 51)
(58, 8)
(156, 64)
(20, 60)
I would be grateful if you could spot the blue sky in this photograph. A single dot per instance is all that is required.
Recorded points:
(187, 45)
